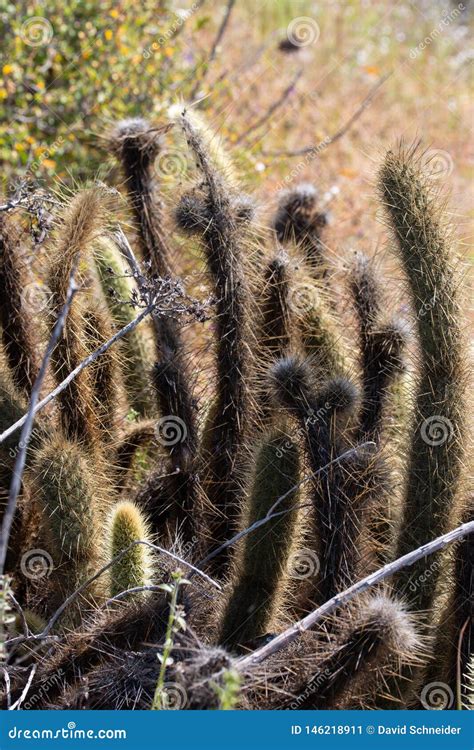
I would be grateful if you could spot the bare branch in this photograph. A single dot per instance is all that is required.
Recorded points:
(292, 633)
(271, 109)
(24, 693)
(329, 140)
(213, 52)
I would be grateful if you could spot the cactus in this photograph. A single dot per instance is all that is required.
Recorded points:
(105, 373)
(297, 220)
(281, 428)
(434, 471)
(118, 290)
(261, 570)
(134, 569)
(371, 644)
(334, 520)
(276, 314)
(18, 330)
(69, 504)
(136, 144)
(321, 338)
(82, 221)
(381, 347)
(212, 214)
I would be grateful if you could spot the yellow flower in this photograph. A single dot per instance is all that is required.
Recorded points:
(169, 51)
(108, 34)
(114, 13)
(19, 147)
(7, 69)
(49, 163)
(3, 94)
(40, 84)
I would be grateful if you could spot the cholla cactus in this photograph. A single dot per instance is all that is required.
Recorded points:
(282, 480)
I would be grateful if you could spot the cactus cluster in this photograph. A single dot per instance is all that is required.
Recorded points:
(317, 463)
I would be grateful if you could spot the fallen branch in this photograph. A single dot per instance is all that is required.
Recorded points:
(292, 633)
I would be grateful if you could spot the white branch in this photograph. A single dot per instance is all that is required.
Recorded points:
(289, 635)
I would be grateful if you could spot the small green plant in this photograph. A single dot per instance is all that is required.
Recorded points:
(176, 623)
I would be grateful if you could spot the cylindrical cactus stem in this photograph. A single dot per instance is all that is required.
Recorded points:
(82, 222)
(136, 144)
(178, 434)
(381, 348)
(435, 458)
(67, 497)
(12, 407)
(137, 353)
(104, 372)
(261, 571)
(214, 216)
(454, 642)
(275, 329)
(335, 492)
(372, 645)
(127, 525)
(138, 435)
(275, 310)
(322, 341)
(297, 220)
(17, 320)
